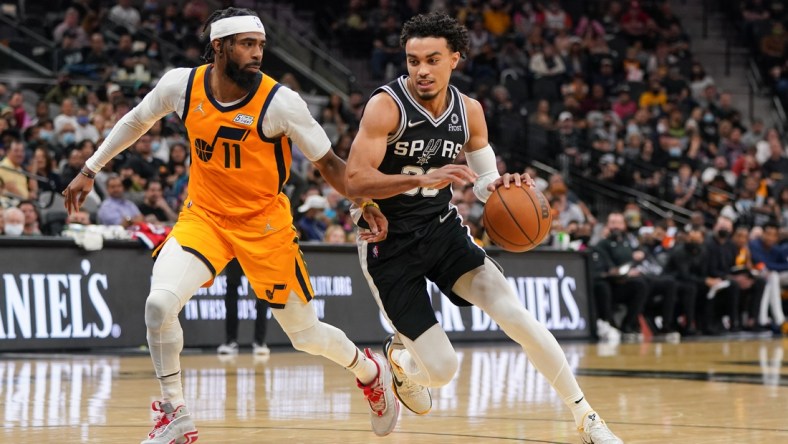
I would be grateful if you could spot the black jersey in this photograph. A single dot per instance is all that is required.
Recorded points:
(420, 144)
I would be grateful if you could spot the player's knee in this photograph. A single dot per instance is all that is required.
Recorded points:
(308, 341)
(160, 305)
(442, 369)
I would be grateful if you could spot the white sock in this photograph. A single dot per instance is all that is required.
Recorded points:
(363, 367)
(579, 408)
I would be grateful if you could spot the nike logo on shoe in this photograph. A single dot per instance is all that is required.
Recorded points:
(397, 382)
(411, 123)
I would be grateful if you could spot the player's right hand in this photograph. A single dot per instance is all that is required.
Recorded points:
(446, 175)
(378, 225)
(76, 192)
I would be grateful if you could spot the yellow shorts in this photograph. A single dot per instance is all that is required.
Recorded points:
(266, 247)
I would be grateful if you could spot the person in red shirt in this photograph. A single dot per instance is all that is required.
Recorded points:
(635, 22)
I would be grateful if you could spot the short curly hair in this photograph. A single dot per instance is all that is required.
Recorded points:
(437, 24)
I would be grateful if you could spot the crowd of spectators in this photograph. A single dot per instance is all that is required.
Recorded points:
(608, 90)
(762, 23)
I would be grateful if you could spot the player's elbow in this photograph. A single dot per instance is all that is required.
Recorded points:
(354, 186)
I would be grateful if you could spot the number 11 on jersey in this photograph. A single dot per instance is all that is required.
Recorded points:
(235, 154)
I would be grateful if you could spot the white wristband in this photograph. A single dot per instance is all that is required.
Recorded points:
(482, 162)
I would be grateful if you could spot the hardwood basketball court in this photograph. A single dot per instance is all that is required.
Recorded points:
(731, 391)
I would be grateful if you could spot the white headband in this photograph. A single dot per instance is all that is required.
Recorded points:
(236, 25)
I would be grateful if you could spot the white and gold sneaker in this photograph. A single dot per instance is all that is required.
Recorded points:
(415, 397)
(595, 431)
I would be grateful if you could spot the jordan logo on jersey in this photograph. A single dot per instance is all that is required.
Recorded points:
(268, 227)
(199, 108)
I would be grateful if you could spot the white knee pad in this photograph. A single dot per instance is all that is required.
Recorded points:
(310, 340)
(299, 321)
(441, 369)
(161, 309)
(430, 360)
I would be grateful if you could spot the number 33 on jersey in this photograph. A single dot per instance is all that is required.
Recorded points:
(235, 169)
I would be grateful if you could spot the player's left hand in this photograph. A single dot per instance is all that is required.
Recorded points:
(507, 179)
(378, 225)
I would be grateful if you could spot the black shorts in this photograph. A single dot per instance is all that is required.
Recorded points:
(440, 251)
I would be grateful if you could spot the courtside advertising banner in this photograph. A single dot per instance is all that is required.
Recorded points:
(56, 296)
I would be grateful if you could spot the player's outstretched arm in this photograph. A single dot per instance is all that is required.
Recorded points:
(162, 100)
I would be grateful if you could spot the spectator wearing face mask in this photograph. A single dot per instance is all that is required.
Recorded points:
(159, 145)
(616, 257)
(85, 129)
(687, 265)
(66, 125)
(14, 220)
(722, 295)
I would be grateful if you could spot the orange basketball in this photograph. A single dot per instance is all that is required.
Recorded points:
(517, 219)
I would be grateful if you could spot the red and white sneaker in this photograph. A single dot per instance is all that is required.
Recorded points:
(173, 425)
(384, 406)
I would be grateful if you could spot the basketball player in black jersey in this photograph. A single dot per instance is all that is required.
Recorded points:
(412, 131)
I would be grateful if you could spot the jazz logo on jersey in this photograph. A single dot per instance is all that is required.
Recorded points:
(243, 119)
(453, 125)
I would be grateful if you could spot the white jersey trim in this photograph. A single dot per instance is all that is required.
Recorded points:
(464, 115)
(402, 115)
(403, 83)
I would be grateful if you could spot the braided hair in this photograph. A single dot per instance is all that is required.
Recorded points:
(219, 14)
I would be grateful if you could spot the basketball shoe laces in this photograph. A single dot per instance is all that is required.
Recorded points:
(161, 419)
(598, 432)
(374, 392)
(406, 387)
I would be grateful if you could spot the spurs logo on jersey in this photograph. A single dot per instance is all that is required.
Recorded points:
(421, 143)
(424, 150)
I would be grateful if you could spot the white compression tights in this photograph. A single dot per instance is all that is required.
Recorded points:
(178, 274)
(431, 361)
(299, 321)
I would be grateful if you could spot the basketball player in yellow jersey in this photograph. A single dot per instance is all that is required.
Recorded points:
(239, 122)
(412, 131)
